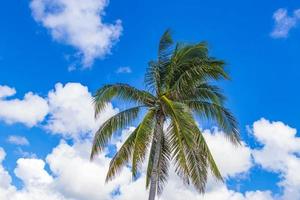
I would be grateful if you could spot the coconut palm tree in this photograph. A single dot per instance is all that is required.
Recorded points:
(179, 87)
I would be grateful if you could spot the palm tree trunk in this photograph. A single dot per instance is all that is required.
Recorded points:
(157, 139)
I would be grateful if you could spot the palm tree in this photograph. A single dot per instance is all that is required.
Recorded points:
(179, 88)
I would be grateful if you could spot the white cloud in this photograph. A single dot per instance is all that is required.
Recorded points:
(124, 70)
(66, 161)
(78, 23)
(31, 171)
(72, 111)
(6, 91)
(30, 110)
(69, 108)
(284, 23)
(278, 154)
(5, 179)
(18, 140)
(238, 158)
(73, 177)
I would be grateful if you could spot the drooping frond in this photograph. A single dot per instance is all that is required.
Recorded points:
(203, 92)
(123, 91)
(122, 156)
(220, 114)
(116, 122)
(142, 140)
(201, 150)
(196, 159)
(204, 149)
(177, 140)
(199, 70)
(192, 145)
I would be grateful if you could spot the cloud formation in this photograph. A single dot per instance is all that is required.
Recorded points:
(30, 110)
(71, 111)
(284, 23)
(74, 177)
(17, 140)
(78, 23)
(66, 110)
(279, 154)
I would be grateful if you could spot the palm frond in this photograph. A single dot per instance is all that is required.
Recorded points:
(123, 91)
(220, 114)
(199, 70)
(177, 140)
(195, 161)
(189, 138)
(142, 140)
(116, 122)
(202, 92)
(181, 59)
(122, 156)
(156, 71)
(165, 47)
(153, 77)
(204, 150)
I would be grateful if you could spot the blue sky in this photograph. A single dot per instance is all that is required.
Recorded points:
(59, 53)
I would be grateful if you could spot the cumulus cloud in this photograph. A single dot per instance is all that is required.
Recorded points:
(73, 177)
(123, 70)
(5, 178)
(30, 110)
(78, 23)
(17, 140)
(31, 171)
(279, 154)
(284, 23)
(72, 112)
(6, 91)
(69, 110)
(238, 158)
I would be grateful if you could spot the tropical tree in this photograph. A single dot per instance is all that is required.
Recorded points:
(179, 87)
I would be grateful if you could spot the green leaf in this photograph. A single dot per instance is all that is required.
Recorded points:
(122, 156)
(116, 122)
(220, 114)
(123, 91)
(142, 140)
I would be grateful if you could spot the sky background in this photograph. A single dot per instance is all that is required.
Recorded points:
(55, 54)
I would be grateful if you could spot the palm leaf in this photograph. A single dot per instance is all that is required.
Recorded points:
(203, 91)
(122, 156)
(221, 115)
(123, 91)
(156, 71)
(177, 140)
(181, 59)
(116, 122)
(199, 70)
(142, 140)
